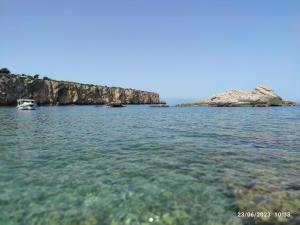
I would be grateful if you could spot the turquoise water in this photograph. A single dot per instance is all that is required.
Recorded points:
(143, 165)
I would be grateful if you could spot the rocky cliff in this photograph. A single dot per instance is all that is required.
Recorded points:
(260, 96)
(54, 92)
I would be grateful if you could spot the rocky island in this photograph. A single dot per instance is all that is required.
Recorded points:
(52, 92)
(260, 96)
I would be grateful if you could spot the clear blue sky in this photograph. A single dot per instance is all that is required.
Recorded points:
(184, 49)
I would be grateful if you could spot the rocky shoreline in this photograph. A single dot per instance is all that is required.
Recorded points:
(52, 92)
(259, 97)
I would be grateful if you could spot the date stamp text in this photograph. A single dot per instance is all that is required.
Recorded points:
(263, 214)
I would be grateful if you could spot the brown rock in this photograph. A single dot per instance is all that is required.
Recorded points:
(54, 92)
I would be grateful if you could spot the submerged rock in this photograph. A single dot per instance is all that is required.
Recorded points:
(260, 96)
(53, 92)
(293, 186)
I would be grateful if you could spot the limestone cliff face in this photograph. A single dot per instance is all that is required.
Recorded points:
(55, 92)
(260, 96)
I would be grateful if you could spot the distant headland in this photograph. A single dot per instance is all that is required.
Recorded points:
(53, 92)
(259, 97)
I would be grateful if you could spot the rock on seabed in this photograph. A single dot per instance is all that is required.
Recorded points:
(53, 92)
(260, 96)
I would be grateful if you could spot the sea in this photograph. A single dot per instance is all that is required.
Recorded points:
(89, 165)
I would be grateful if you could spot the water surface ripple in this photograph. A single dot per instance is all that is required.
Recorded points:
(97, 165)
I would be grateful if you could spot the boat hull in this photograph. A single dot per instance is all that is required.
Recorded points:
(26, 107)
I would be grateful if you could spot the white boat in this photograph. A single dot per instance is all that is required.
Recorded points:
(26, 104)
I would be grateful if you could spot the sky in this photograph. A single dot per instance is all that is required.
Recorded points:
(180, 49)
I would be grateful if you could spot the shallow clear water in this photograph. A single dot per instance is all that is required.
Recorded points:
(143, 165)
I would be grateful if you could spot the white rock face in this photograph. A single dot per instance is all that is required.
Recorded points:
(260, 96)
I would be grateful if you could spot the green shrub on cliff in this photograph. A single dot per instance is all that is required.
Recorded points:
(5, 71)
(46, 78)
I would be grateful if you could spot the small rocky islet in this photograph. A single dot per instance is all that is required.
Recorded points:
(260, 97)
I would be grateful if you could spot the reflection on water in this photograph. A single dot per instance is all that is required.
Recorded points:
(142, 165)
